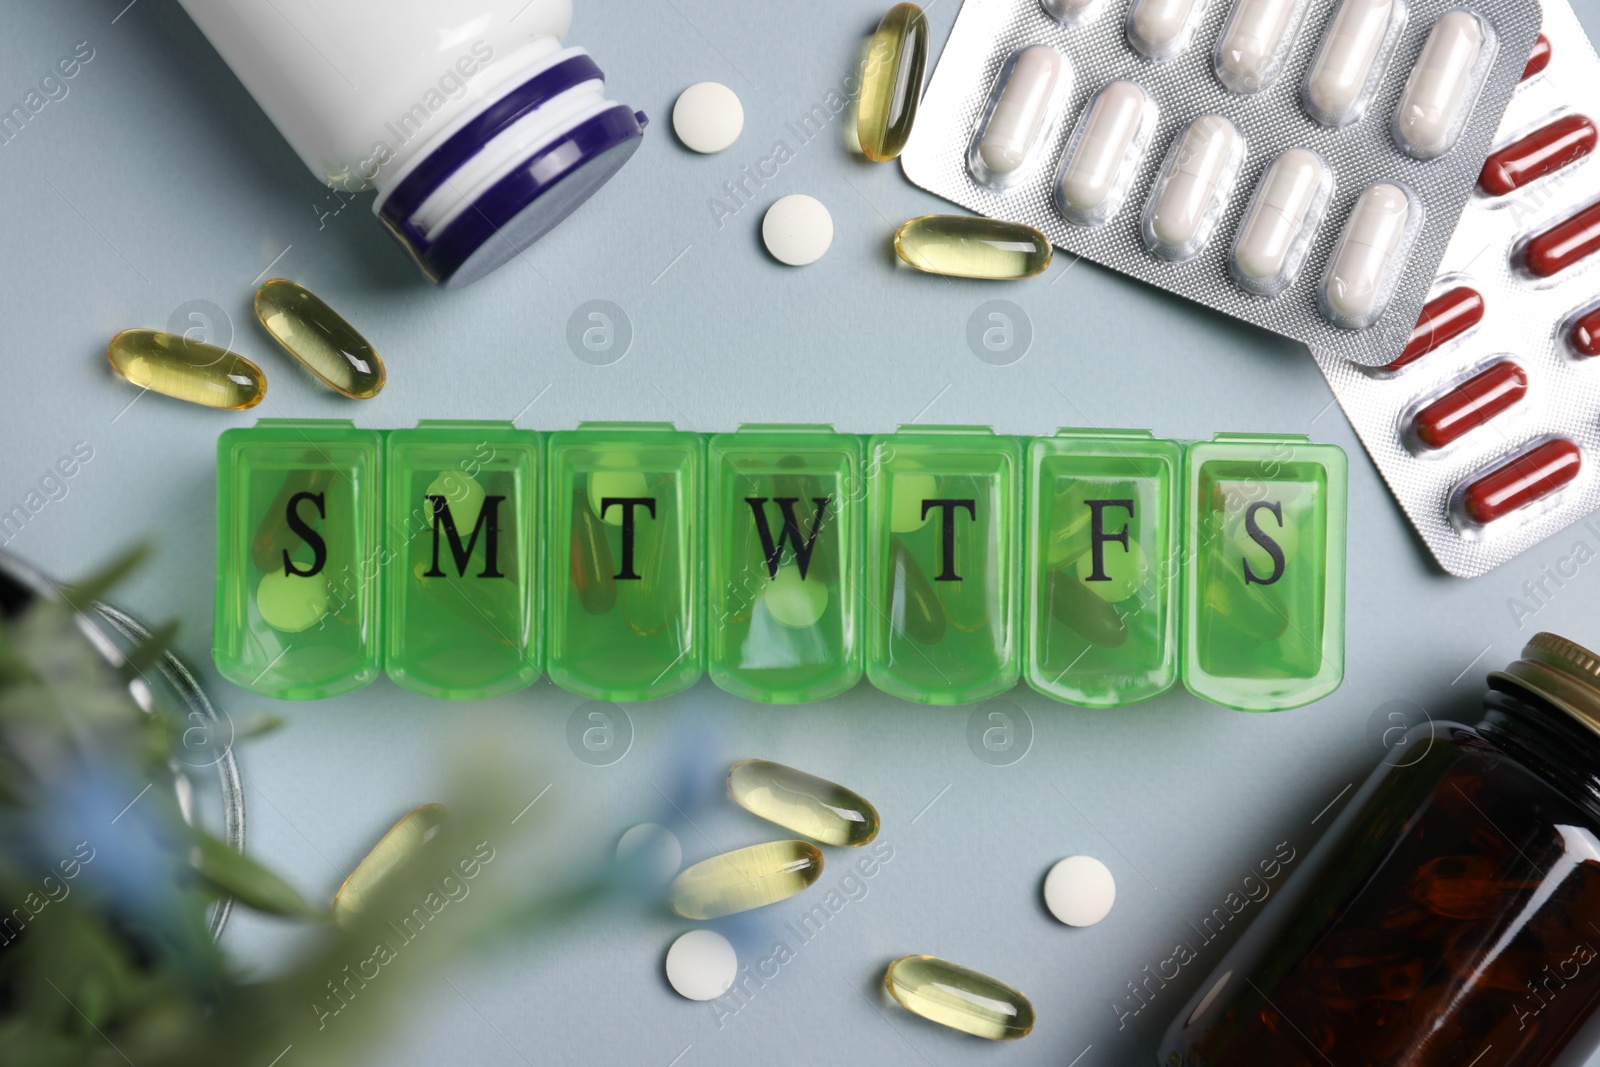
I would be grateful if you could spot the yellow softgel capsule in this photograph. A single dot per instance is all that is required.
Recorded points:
(891, 82)
(317, 336)
(961, 999)
(402, 843)
(175, 366)
(822, 810)
(745, 878)
(966, 246)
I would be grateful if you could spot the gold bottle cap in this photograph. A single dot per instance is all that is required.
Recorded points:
(1562, 672)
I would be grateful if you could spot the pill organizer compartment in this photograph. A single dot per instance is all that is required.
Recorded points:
(298, 558)
(625, 549)
(1514, 288)
(461, 538)
(1264, 584)
(786, 520)
(1171, 51)
(1102, 566)
(943, 615)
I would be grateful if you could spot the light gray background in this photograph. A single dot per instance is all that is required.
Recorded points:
(157, 182)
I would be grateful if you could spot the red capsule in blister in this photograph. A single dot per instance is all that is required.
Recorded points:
(1563, 244)
(1538, 59)
(1544, 151)
(1443, 319)
(1584, 334)
(1531, 476)
(1470, 404)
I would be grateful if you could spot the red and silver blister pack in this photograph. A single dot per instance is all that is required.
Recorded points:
(1487, 427)
(1298, 164)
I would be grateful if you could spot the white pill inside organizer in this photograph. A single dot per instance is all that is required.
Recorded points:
(1280, 221)
(797, 229)
(1250, 47)
(1030, 83)
(1443, 85)
(1339, 83)
(1080, 891)
(1184, 206)
(1103, 153)
(1160, 29)
(701, 965)
(1362, 271)
(708, 117)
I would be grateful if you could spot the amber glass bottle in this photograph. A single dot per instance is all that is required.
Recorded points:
(1450, 917)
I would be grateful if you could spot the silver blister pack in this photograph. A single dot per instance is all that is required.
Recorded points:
(1502, 376)
(1107, 43)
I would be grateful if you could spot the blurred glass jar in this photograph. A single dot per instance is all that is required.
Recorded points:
(1451, 916)
(207, 742)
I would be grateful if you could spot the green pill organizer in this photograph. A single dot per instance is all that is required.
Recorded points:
(625, 560)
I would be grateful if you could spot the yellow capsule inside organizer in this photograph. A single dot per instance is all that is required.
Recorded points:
(822, 810)
(175, 366)
(320, 338)
(745, 878)
(891, 82)
(403, 843)
(961, 999)
(968, 246)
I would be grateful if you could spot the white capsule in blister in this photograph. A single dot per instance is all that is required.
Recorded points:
(1103, 153)
(1443, 85)
(1369, 256)
(1190, 192)
(1280, 222)
(1250, 49)
(1026, 95)
(1160, 29)
(1070, 12)
(1350, 60)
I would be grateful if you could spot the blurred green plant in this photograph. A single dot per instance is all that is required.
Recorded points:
(105, 955)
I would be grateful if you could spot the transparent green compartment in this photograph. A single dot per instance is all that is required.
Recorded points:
(624, 618)
(1264, 586)
(1102, 565)
(461, 539)
(297, 598)
(783, 571)
(942, 563)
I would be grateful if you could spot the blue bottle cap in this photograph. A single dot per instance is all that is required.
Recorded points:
(487, 218)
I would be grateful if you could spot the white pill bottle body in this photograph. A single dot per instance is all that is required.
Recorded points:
(449, 109)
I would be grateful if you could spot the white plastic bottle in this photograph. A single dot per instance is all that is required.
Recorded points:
(477, 128)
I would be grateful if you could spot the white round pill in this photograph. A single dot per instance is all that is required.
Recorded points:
(797, 230)
(708, 117)
(650, 853)
(701, 965)
(1079, 891)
